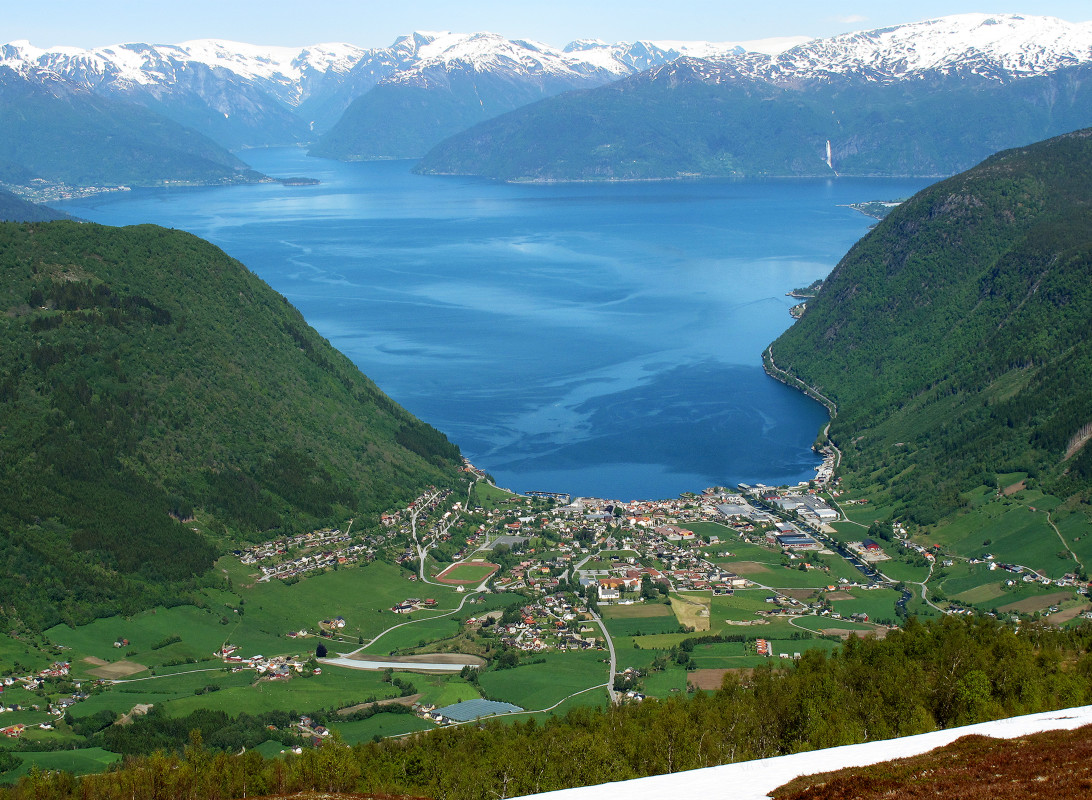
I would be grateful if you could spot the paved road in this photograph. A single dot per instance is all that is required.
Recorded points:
(613, 658)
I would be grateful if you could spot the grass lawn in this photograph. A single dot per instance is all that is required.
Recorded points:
(536, 686)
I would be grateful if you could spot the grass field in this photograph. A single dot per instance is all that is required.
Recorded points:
(443, 690)
(879, 604)
(424, 630)
(78, 762)
(1042, 602)
(468, 572)
(334, 688)
(898, 570)
(637, 610)
(487, 495)
(1008, 528)
(639, 619)
(28, 656)
(640, 626)
(380, 725)
(692, 609)
(537, 686)
(363, 596)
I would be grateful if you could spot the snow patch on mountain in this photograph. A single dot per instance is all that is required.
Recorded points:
(993, 46)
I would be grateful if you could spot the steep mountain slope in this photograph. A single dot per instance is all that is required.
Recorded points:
(956, 340)
(925, 99)
(146, 378)
(56, 130)
(457, 81)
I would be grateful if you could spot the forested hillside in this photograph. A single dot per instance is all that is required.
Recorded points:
(159, 402)
(15, 209)
(956, 338)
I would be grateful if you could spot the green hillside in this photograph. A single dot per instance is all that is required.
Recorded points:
(160, 402)
(16, 209)
(56, 131)
(956, 338)
(696, 118)
(395, 120)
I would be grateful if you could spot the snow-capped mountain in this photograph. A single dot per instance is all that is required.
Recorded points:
(400, 100)
(997, 47)
(932, 98)
(284, 72)
(268, 94)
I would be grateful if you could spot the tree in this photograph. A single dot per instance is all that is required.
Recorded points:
(320, 651)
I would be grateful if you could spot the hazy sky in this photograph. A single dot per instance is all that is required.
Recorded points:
(94, 23)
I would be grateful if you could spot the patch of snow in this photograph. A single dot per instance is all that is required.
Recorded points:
(754, 780)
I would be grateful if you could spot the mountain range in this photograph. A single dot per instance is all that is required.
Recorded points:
(926, 99)
(869, 93)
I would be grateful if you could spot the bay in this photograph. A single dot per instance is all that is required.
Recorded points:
(598, 339)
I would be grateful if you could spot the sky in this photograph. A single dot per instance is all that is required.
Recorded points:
(96, 23)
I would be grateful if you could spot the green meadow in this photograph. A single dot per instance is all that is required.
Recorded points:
(78, 762)
(381, 725)
(538, 686)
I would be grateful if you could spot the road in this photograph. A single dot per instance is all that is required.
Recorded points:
(1065, 544)
(379, 636)
(613, 657)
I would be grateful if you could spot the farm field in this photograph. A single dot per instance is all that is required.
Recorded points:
(536, 686)
(636, 610)
(879, 604)
(334, 688)
(1012, 537)
(78, 762)
(381, 725)
(818, 624)
(898, 570)
(640, 626)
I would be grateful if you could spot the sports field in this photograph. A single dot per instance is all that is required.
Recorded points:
(467, 572)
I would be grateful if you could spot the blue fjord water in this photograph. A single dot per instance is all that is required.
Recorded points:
(599, 339)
